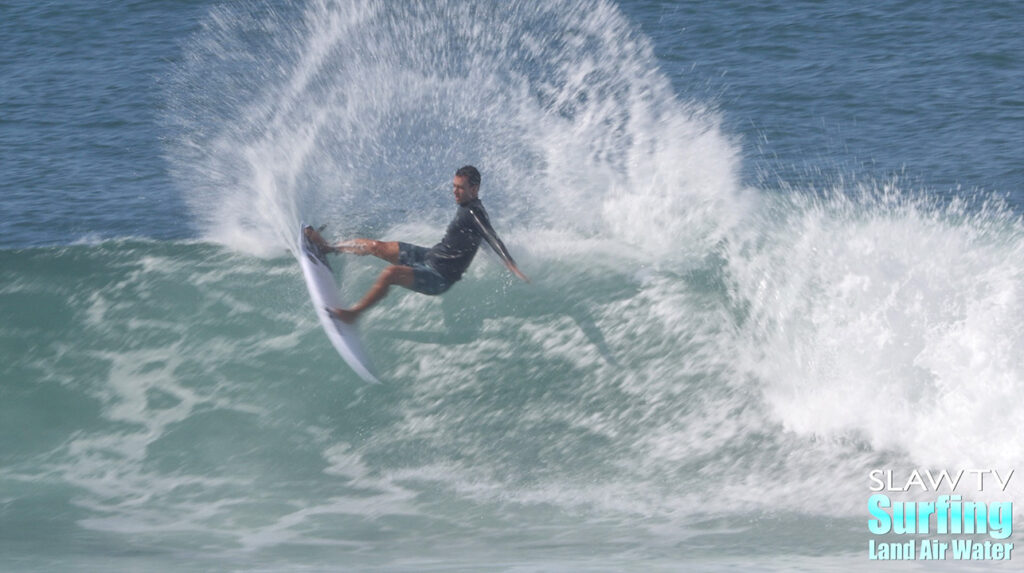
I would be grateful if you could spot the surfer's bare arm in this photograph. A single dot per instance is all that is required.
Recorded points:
(497, 246)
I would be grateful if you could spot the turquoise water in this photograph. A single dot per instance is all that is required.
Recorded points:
(773, 248)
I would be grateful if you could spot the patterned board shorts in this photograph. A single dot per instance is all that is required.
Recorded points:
(426, 279)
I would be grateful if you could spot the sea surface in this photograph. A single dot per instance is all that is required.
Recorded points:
(774, 246)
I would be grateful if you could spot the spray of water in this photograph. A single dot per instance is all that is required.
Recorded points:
(357, 113)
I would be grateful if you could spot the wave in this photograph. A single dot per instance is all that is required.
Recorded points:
(691, 350)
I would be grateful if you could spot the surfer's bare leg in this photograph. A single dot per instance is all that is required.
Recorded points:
(393, 275)
(387, 250)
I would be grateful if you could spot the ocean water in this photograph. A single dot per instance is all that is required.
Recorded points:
(774, 247)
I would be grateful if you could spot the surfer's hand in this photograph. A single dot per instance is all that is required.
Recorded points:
(519, 273)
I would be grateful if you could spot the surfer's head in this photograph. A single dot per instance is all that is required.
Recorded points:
(466, 184)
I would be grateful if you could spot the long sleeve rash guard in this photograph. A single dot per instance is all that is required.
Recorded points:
(452, 256)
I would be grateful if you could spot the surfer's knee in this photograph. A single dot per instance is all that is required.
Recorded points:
(384, 279)
(386, 250)
(390, 275)
(371, 247)
(396, 275)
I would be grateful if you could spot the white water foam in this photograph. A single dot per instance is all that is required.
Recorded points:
(890, 317)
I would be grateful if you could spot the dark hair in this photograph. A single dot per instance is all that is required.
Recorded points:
(470, 173)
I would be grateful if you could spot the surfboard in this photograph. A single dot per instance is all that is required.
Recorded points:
(324, 293)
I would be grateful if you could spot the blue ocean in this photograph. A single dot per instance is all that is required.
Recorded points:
(777, 263)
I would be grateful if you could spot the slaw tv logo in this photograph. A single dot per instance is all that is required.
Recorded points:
(944, 525)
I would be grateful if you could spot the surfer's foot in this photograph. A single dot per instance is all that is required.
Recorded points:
(344, 315)
(318, 240)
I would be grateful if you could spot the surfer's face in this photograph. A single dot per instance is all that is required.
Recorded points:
(463, 190)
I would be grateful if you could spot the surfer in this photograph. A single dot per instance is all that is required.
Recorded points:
(430, 271)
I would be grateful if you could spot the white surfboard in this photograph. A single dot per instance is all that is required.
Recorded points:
(324, 293)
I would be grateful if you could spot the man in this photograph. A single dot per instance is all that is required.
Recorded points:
(429, 271)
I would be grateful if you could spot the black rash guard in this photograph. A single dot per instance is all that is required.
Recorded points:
(451, 257)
